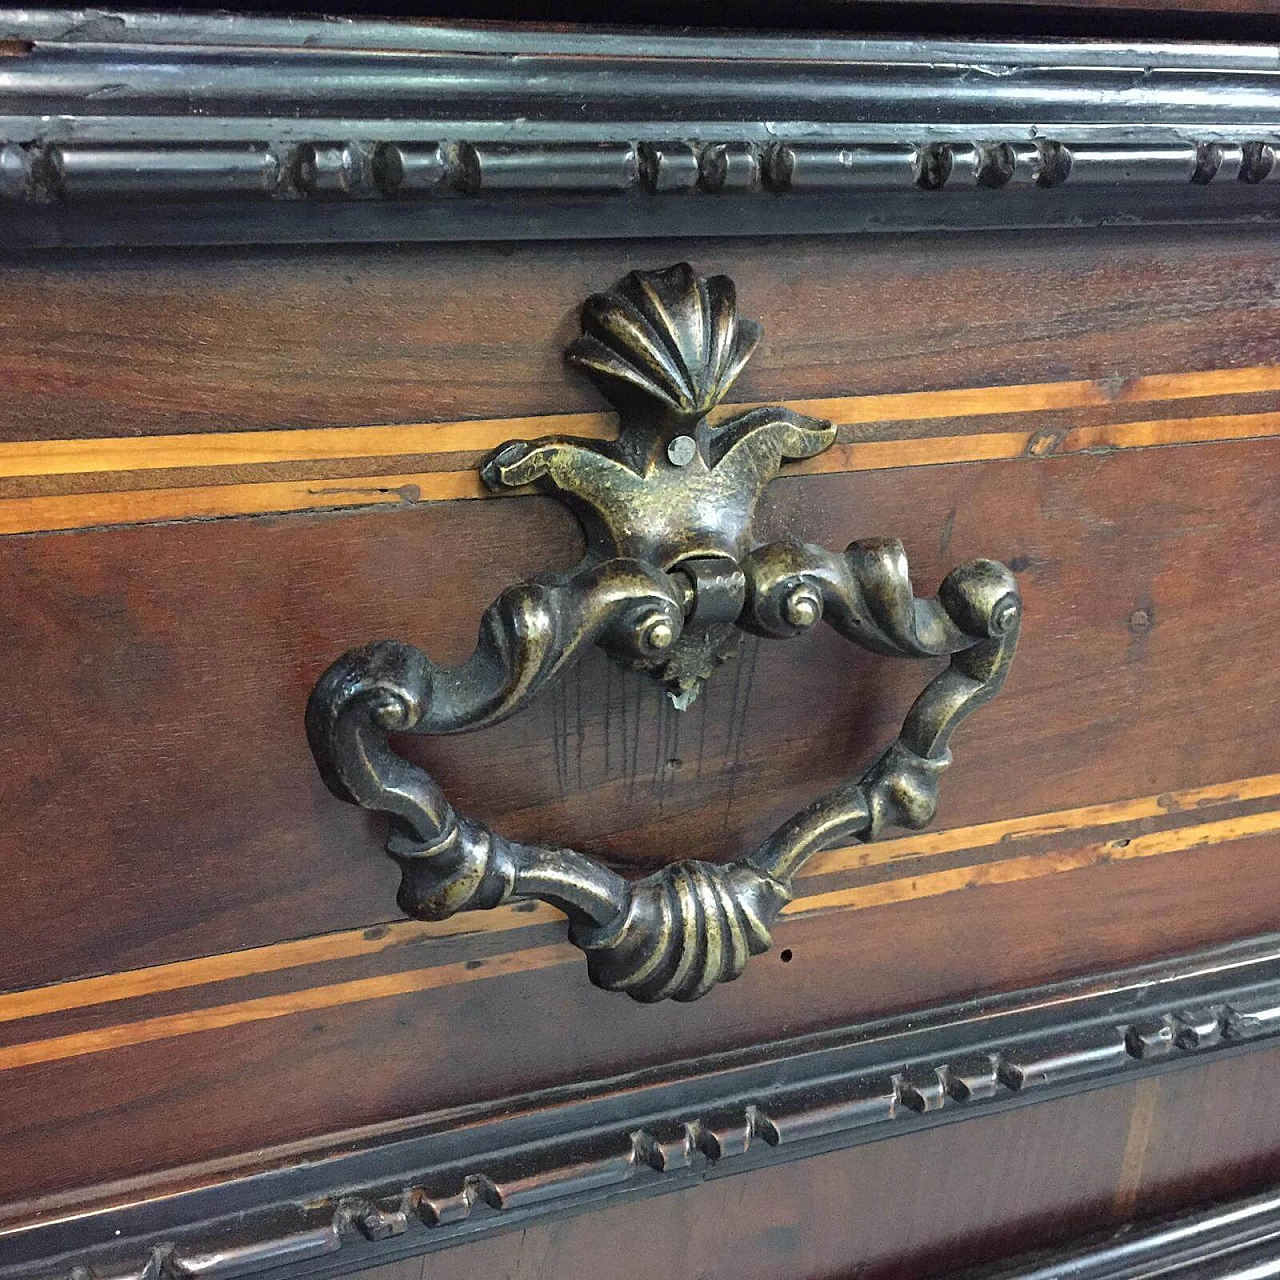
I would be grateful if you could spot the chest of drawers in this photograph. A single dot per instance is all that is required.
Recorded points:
(275, 296)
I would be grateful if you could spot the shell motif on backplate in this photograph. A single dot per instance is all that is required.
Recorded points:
(679, 486)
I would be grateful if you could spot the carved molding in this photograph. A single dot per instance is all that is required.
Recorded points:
(34, 173)
(1232, 1240)
(228, 129)
(438, 1180)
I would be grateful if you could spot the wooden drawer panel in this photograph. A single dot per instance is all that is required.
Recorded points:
(1101, 417)
(316, 336)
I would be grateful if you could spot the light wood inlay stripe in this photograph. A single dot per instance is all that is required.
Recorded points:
(305, 444)
(1009, 871)
(1142, 1119)
(48, 513)
(353, 943)
(167, 1026)
(208, 502)
(350, 944)
(316, 444)
(1038, 825)
(1033, 866)
(1003, 446)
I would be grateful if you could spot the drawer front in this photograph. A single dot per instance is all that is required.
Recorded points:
(202, 937)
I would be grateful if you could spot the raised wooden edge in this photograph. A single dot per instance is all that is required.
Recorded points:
(1236, 1239)
(156, 132)
(122, 495)
(358, 1198)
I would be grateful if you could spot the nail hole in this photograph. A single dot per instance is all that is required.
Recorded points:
(785, 955)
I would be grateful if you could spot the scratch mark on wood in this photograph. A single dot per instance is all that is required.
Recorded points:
(738, 723)
(579, 725)
(608, 718)
(948, 528)
(702, 732)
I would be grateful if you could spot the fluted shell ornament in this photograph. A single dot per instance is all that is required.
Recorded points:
(669, 338)
(677, 489)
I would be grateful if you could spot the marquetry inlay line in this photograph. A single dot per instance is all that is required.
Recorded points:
(349, 944)
(1003, 446)
(318, 444)
(169, 1026)
(1037, 825)
(48, 513)
(353, 944)
(123, 504)
(360, 990)
(1035, 866)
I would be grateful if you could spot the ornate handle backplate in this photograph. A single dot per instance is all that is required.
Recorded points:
(671, 579)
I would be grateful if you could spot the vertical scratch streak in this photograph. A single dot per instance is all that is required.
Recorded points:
(579, 724)
(554, 700)
(636, 710)
(727, 760)
(733, 713)
(702, 732)
(659, 741)
(626, 774)
(608, 714)
(562, 696)
(672, 752)
(737, 734)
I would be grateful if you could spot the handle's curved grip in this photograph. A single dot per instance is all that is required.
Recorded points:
(678, 932)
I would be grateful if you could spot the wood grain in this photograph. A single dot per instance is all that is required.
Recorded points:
(95, 344)
(159, 713)
(160, 807)
(308, 999)
(252, 1084)
(353, 943)
(249, 447)
(122, 504)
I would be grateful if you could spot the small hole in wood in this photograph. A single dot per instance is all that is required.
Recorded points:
(785, 955)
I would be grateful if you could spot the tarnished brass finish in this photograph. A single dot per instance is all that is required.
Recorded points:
(672, 492)
(671, 579)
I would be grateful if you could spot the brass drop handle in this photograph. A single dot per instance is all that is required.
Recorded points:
(670, 581)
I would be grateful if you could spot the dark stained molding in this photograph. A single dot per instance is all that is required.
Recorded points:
(105, 25)
(165, 129)
(1233, 1240)
(360, 1198)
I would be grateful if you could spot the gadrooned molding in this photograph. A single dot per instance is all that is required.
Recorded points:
(48, 173)
(158, 129)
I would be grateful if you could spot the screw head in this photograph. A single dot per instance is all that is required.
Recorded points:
(682, 450)
(1004, 615)
(803, 607)
(656, 632)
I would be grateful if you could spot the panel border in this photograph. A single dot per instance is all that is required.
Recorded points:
(360, 1198)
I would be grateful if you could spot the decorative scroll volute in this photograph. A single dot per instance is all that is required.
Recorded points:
(671, 579)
